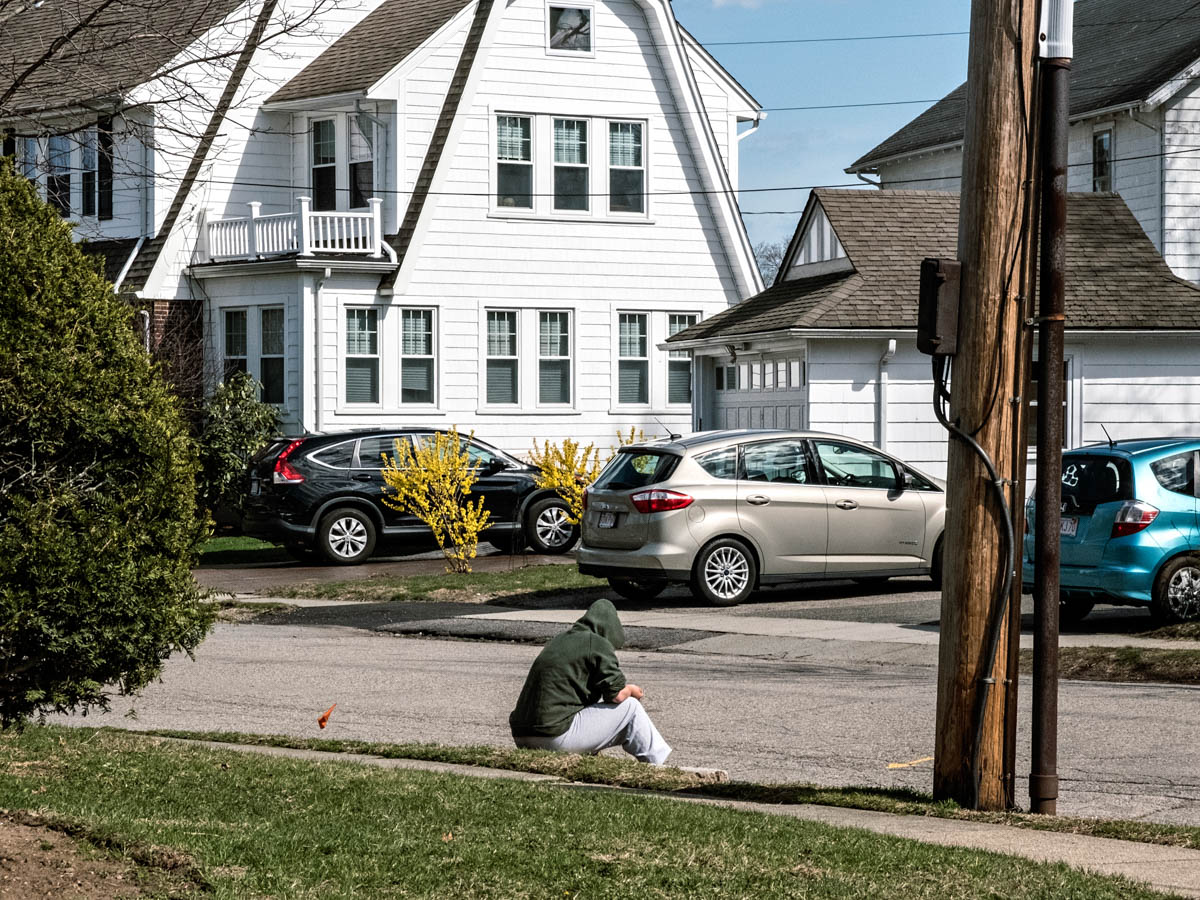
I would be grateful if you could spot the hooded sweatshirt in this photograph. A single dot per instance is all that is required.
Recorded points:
(577, 668)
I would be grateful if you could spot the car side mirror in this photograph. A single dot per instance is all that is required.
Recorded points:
(907, 482)
(492, 466)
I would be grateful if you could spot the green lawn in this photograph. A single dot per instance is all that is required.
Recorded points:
(476, 587)
(258, 827)
(240, 550)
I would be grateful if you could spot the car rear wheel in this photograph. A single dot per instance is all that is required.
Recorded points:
(1073, 610)
(1176, 594)
(548, 528)
(638, 589)
(724, 573)
(935, 565)
(346, 536)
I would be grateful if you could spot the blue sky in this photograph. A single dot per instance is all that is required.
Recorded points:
(813, 147)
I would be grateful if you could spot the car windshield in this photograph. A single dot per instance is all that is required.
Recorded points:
(1088, 481)
(635, 469)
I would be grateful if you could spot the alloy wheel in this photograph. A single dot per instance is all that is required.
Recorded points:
(1183, 593)
(552, 527)
(726, 572)
(347, 537)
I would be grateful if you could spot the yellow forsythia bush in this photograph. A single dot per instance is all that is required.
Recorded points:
(567, 469)
(432, 479)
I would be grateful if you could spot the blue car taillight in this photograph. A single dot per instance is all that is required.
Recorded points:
(1132, 517)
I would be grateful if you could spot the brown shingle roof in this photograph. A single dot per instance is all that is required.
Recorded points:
(1124, 51)
(370, 49)
(1115, 277)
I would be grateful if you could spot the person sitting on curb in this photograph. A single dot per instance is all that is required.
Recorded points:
(576, 699)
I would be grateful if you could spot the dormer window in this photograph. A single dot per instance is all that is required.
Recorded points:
(1102, 161)
(569, 29)
(324, 165)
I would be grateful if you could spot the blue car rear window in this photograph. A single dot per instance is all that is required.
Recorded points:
(1088, 481)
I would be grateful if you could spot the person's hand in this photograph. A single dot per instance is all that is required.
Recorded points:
(635, 692)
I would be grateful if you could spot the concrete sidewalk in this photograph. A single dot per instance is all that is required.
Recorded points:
(1168, 869)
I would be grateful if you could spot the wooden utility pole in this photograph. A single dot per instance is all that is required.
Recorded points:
(969, 755)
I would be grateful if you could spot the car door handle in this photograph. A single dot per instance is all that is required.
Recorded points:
(758, 500)
(363, 477)
(846, 504)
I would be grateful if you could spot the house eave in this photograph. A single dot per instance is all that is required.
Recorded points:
(290, 264)
(346, 98)
(871, 166)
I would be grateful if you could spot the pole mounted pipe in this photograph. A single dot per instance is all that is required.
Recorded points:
(1055, 50)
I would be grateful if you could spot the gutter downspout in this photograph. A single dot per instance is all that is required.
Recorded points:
(318, 396)
(887, 357)
(128, 263)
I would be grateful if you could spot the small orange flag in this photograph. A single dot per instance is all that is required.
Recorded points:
(323, 719)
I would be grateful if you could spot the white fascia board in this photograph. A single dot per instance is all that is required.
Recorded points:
(872, 167)
(290, 264)
(386, 87)
(1173, 86)
(794, 244)
(323, 103)
(672, 52)
(722, 75)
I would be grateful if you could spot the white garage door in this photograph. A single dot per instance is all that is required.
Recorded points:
(769, 393)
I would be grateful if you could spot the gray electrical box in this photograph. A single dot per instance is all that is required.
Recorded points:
(937, 314)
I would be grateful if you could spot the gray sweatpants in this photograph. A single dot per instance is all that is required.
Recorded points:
(605, 725)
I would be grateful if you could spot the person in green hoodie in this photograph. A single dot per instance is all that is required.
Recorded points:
(576, 698)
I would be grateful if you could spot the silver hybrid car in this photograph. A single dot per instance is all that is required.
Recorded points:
(726, 511)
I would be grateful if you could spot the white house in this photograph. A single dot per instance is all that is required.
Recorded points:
(483, 214)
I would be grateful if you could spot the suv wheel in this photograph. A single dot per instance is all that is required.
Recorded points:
(638, 589)
(547, 527)
(1176, 594)
(346, 536)
(724, 573)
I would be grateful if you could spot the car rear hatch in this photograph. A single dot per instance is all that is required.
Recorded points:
(264, 463)
(1094, 487)
(612, 519)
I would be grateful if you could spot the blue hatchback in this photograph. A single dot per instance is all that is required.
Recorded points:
(1130, 530)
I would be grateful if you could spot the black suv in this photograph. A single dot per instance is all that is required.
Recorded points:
(323, 494)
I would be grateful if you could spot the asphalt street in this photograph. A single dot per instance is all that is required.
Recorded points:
(1126, 751)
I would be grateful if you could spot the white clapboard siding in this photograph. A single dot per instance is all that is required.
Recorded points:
(1181, 216)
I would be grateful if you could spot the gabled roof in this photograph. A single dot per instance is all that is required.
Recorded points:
(370, 49)
(1115, 277)
(106, 48)
(1125, 50)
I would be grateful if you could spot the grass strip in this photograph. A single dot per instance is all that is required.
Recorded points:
(1128, 664)
(1184, 631)
(621, 772)
(259, 826)
(522, 582)
(241, 612)
(237, 550)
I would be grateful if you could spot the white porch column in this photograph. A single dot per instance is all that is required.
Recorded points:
(303, 226)
(376, 225)
(252, 230)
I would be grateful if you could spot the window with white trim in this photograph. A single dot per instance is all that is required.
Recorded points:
(626, 168)
(234, 342)
(361, 156)
(58, 179)
(570, 164)
(1102, 176)
(417, 359)
(29, 158)
(362, 355)
(87, 177)
(514, 162)
(679, 362)
(569, 29)
(633, 360)
(324, 164)
(554, 358)
(270, 358)
(503, 360)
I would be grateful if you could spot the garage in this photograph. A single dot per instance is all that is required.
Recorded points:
(768, 392)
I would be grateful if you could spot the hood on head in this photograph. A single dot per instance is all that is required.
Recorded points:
(602, 618)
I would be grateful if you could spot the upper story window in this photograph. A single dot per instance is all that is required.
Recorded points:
(58, 179)
(1102, 176)
(29, 158)
(514, 162)
(324, 165)
(362, 162)
(10, 143)
(87, 173)
(626, 169)
(569, 29)
(570, 164)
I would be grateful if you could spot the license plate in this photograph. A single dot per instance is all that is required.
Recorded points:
(254, 489)
(1068, 527)
(607, 520)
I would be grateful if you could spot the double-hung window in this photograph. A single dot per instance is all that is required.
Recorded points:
(362, 163)
(571, 164)
(417, 360)
(503, 363)
(87, 176)
(633, 361)
(679, 362)
(554, 358)
(514, 162)
(324, 165)
(29, 158)
(235, 342)
(1102, 161)
(362, 355)
(626, 168)
(58, 182)
(270, 359)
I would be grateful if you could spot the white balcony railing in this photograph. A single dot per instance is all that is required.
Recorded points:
(304, 233)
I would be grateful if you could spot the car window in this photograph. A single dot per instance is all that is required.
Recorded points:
(719, 463)
(339, 456)
(1177, 473)
(849, 466)
(635, 469)
(1089, 480)
(919, 482)
(779, 462)
(371, 449)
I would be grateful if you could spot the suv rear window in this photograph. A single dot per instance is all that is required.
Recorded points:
(1088, 481)
(635, 469)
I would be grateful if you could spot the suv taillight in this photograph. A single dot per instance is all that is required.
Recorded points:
(585, 496)
(284, 473)
(1132, 517)
(660, 501)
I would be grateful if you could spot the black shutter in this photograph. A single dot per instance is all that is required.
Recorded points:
(104, 162)
(10, 143)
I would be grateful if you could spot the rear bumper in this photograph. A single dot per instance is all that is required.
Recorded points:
(1123, 585)
(663, 560)
(273, 528)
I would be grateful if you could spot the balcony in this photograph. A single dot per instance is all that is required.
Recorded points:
(300, 233)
